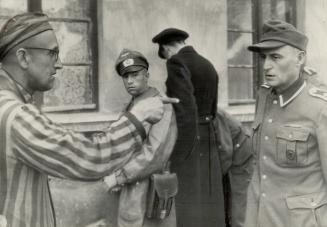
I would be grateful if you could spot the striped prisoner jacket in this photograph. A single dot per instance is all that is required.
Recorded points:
(33, 147)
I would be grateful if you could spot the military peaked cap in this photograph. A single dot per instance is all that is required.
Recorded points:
(170, 34)
(277, 33)
(130, 61)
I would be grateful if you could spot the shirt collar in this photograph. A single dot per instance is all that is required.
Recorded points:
(292, 92)
(150, 92)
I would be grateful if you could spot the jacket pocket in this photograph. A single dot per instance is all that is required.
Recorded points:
(308, 210)
(292, 146)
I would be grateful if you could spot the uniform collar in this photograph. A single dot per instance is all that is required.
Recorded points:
(7, 83)
(187, 49)
(292, 92)
(150, 92)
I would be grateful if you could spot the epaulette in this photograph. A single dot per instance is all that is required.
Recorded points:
(318, 92)
(265, 86)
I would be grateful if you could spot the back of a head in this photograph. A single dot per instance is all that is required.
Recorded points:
(170, 37)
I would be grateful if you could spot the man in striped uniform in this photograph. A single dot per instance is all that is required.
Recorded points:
(32, 146)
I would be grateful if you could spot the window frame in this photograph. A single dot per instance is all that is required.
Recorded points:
(36, 5)
(257, 21)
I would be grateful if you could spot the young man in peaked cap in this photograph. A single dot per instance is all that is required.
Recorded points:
(32, 146)
(288, 187)
(133, 177)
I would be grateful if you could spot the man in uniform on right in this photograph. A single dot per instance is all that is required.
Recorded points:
(289, 141)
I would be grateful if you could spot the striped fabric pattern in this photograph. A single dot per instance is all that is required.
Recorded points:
(32, 147)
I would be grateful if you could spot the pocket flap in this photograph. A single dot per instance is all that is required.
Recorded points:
(309, 201)
(293, 134)
(166, 185)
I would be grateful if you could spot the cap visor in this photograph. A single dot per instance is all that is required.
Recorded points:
(132, 68)
(265, 45)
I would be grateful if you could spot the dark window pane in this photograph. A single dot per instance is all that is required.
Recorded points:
(273, 9)
(73, 41)
(239, 14)
(67, 8)
(237, 48)
(240, 83)
(73, 22)
(72, 88)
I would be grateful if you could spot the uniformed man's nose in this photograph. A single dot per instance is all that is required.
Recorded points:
(266, 64)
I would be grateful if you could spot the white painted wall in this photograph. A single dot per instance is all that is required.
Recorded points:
(315, 27)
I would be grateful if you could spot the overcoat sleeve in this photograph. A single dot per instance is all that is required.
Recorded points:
(236, 158)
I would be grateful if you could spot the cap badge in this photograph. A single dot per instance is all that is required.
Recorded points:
(128, 62)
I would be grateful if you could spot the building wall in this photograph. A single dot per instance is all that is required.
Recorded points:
(132, 24)
(313, 17)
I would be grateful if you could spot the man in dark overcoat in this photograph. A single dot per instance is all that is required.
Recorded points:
(194, 80)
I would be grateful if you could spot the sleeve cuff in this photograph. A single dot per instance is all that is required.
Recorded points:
(138, 125)
(120, 177)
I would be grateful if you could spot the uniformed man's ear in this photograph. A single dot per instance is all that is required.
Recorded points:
(301, 57)
(22, 60)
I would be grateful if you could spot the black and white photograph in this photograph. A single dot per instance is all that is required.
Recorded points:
(163, 113)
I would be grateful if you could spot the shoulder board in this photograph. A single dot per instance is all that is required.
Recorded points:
(319, 93)
(265, 86)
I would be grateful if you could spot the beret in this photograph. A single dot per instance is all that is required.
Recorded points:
(277, 33)
(170, 34)
(20, 28)
(130, 61)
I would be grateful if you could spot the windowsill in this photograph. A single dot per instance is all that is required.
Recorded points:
(84, 122)
(243, 113)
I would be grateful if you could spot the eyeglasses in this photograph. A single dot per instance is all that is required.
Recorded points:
(53, 53)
